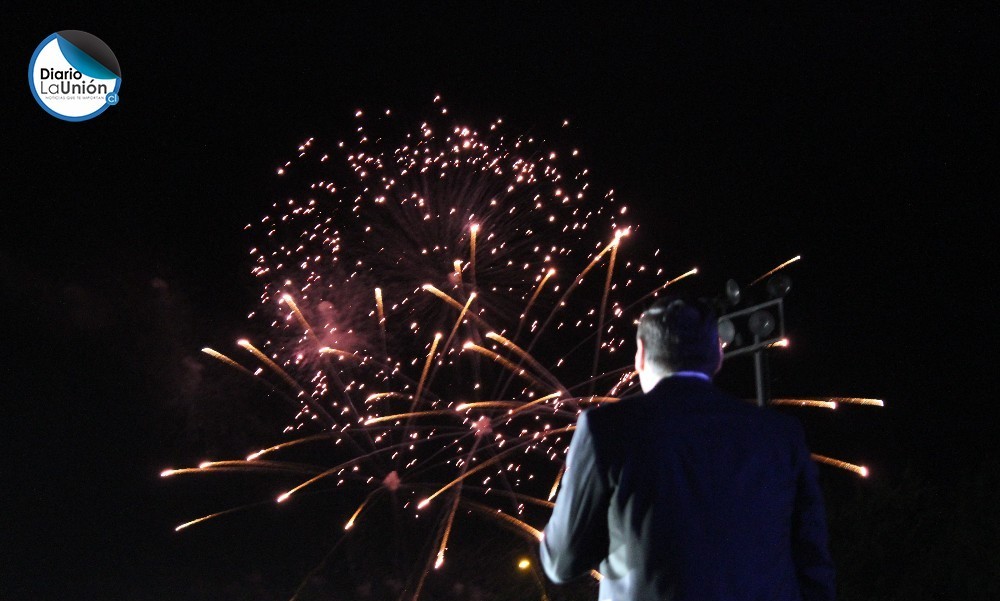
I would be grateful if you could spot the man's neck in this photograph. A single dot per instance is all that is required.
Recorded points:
(654, 381)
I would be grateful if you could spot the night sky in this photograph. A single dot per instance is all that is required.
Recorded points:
(859, 136)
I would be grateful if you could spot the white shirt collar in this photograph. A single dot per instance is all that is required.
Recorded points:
(690, 374)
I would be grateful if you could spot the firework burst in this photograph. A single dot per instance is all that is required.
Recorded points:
(439, 305)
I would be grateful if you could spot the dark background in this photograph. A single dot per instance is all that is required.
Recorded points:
(857, 135)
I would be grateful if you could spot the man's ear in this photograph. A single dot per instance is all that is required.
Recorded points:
(640, 355)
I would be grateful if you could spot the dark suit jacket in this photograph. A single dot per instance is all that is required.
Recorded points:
(686, 493)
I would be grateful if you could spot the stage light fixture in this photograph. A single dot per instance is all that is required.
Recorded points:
(761, 323)
(733, 292)
(779, 285)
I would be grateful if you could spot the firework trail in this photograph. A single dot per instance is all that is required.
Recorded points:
(418, 295)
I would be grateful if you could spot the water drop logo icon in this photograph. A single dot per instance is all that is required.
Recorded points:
(74, 75)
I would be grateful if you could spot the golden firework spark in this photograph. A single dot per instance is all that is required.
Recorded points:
(217, 355)
(776, 269)
(514, 369)
(857, 401)
(805, 403)
(288, 300)
(423, 374)
(270, 364)
(525, 356)
(857, 469)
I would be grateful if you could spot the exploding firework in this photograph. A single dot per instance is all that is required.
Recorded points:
(440, 304)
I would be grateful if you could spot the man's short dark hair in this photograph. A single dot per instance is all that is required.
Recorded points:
(681, 334)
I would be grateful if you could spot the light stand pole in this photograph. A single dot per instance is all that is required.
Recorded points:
(758, 369)
(762, 323)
